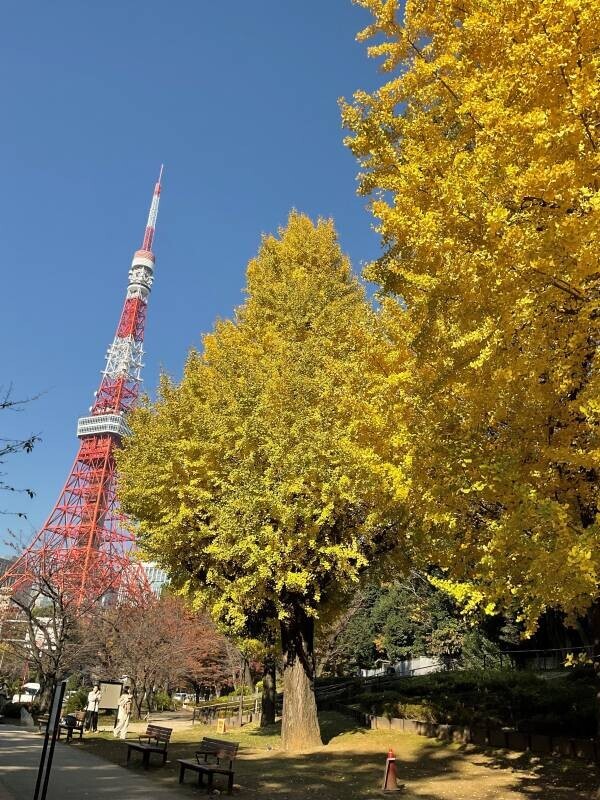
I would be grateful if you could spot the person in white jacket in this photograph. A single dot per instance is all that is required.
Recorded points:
(123, 714)
(93, 703)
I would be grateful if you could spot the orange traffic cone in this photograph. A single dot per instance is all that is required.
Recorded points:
(390, 777)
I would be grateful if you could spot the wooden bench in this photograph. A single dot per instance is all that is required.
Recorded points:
(72, 723)
(43, 721)
(157, 742)
(216, 749)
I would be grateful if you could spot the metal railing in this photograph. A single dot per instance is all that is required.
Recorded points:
(211, 711)
(534, 659)
(540, 660)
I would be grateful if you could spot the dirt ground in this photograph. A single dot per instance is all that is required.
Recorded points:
(350, 766)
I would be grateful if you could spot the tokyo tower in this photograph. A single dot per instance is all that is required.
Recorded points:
(83, 550)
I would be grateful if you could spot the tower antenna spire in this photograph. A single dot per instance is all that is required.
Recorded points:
(152, 214)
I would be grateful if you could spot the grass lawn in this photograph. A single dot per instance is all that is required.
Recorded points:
(350, 766)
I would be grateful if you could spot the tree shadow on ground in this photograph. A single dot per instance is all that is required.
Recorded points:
(264, 730)
(351, 766)
(430, 770)
(332, 724)
(335, 775)
(550, 778)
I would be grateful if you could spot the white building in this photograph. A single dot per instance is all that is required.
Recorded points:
(157, 577)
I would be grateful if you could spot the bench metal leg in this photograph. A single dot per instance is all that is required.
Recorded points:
(128, 754)
(230, 783)
(181, 772)
(146, 759)
(210, 783)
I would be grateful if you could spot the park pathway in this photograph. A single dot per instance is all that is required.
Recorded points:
(76, 775)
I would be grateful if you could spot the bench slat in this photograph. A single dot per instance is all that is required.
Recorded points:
(219, 749)
(154, 733)
(159, 734)
(207, 769)
(142, 746)
(218, 745)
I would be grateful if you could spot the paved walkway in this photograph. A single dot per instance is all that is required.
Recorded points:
(76, 775)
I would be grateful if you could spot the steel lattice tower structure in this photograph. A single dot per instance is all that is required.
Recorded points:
(83, 547)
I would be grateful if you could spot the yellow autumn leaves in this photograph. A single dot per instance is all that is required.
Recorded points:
(481, 157)
(266, 477)
(457, 424)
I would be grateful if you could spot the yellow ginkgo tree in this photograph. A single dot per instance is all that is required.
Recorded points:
(481, 154)
(266, 480)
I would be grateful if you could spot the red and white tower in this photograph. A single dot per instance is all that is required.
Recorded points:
(83, 548)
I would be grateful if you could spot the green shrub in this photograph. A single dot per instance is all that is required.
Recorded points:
(245, 690)
(478, 652)
(13, 710)
(75, 681)
(77, 701)
(382, 704)
(416, 711)
(226, 698)
(476, 697)
(162, 701)
(581, 672)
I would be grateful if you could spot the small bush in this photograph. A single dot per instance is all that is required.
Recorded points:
(75, 681)
(581, 672)
(77, 701)
(13, 710)
(162, 701)
(519, 700)
(245, 690)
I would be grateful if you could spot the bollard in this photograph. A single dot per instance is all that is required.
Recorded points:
(390, 777)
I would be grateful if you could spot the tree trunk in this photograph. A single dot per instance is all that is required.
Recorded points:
(47, 685)
(138, 698)
(269, 692)
(248, 679)
(241, 703)
(300, 724)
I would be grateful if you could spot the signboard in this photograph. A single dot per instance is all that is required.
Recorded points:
(41, 786)
(110, 693)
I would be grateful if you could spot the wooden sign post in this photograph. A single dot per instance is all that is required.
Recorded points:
(41, 786)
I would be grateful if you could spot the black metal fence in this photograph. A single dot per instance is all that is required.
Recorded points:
(536, 660)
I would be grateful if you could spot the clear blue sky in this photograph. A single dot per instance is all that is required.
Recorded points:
(238, 99)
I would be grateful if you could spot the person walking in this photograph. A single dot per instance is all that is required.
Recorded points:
(123, 714)
(91, 711)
